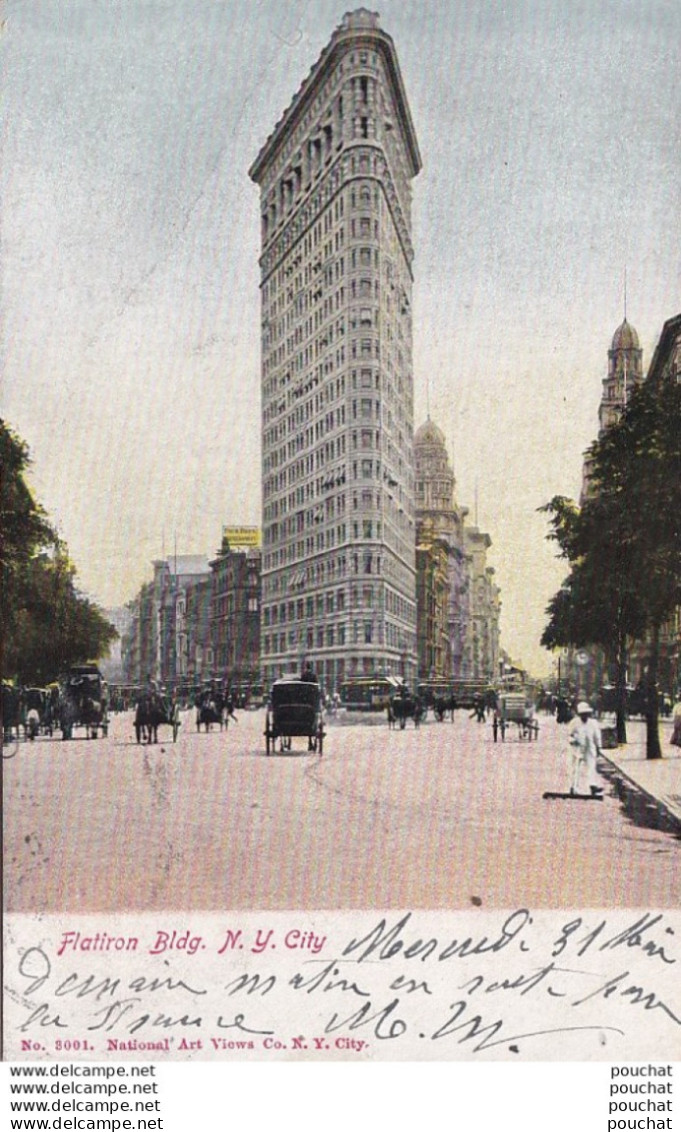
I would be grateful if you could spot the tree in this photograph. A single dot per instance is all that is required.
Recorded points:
(637, 467)
(47, 624)
(624, 545)
(24, 525)
(596, 605)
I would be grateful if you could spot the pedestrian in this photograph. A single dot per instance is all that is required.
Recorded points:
(676, 723)
(478, 711)
(586, 744)
(563, 712)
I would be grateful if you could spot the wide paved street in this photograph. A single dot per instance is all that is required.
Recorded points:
(439, 817)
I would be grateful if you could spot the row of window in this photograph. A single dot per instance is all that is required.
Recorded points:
(321, 378)
(326, 636)
(363, 287)
(227, 606)
(305, 291)
(355, 563)
(360, 162)
(315, 153)
(326, 539)
(364, 469)
(367, 500)
(329, 636)
(319, 605)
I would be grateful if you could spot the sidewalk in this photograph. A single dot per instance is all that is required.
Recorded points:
(650, 787)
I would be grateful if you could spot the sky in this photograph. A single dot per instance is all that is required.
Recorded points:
(550, 138)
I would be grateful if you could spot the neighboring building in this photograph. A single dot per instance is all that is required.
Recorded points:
(473, 603)
(666, 360)
(338, 569)
(197, 631)
(196, 620)
(181, 628)
(432, 601)
(625, 373)
(111, 665)
(235, 612)
(481, 653)
(166, 628)
(439, 520)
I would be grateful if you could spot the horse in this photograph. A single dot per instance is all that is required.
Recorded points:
(150, 713)
(404, 707)
(210, 711)
(443, 705)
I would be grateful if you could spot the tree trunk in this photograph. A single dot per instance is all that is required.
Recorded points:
(653, 748)
(621, 696)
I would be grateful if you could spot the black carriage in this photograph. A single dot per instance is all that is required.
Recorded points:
(405, 705)
(37, 708)
(294, 710)
(152, 710)
(211, 706)
(83, 702)
(515, 708)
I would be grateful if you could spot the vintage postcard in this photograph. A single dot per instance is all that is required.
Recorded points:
(308, 312)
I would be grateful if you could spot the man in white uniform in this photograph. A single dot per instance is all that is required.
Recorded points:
(585, 740)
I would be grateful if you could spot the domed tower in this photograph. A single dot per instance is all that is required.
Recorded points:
(434, 477)
(625, 372)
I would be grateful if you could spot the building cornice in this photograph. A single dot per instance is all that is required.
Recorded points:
(344, 38)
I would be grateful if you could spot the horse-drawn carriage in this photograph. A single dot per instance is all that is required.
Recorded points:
(518, 709)
(39, 716)
(294, 710)
(403, 706)
(214, 706)
(152, 710)
(28, 710)
(83, 702)
(11, 711)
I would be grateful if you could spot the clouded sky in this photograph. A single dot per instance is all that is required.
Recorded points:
(550, 137)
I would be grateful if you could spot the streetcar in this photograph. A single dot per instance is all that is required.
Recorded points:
(368, 693)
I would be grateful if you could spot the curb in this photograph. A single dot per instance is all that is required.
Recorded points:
(640, 805)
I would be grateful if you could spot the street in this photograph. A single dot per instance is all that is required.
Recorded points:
(439, 817)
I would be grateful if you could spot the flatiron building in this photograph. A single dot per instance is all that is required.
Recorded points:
(338, 569)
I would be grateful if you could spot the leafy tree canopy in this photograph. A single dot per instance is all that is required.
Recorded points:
(624, 543)
(47, 624)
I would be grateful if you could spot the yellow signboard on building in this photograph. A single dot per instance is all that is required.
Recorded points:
(240, 538)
